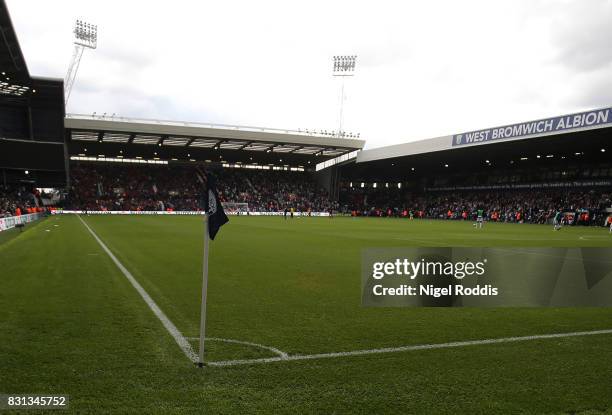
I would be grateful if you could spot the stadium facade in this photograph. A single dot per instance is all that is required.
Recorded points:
(569, 151)
(31, 118)
(117, 139)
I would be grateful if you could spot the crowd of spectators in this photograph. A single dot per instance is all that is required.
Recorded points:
(132, 187)
(16, 200)
(163, 187)
(273, 191)
(152, 187)
(525, 206)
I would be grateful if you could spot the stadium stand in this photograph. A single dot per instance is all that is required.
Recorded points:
(273, 191)
(18, 200)
(588, 207)
(32, 132)
(524, 178)
(108, 186)
(112, 186)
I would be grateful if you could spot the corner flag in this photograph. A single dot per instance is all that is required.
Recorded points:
(211, 204)
(214, 218)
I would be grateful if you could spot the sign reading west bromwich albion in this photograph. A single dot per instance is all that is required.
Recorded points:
(593, 119)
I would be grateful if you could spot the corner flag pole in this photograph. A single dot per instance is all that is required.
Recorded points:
(204, 289)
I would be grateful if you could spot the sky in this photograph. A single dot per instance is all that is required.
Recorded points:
(424, 68)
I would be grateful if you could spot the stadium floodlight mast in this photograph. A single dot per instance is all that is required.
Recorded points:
(344, 66)
(85, 36)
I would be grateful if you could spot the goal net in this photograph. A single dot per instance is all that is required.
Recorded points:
(235, 208)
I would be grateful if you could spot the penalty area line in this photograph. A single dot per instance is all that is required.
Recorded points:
(172, 329)
(407, 348)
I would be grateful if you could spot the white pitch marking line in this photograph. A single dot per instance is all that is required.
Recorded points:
(408, 348)
(174, 332)
(593, 237)
(274, 350)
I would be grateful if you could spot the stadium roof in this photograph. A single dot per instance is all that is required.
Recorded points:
(532, 130)
(578, 140)
(32, 130)
(12, 61)
(213, 141)
(15, 82)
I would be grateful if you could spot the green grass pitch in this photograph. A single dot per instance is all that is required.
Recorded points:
(71, 323)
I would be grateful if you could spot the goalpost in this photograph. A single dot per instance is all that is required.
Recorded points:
(233, 208)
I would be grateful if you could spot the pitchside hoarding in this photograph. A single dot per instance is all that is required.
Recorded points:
(589, 119)
(11, 221)
(178, 212)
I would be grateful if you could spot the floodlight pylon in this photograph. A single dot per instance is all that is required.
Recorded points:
(85, 36)
(344, 66)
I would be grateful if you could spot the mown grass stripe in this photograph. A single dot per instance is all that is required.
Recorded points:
(172, 329)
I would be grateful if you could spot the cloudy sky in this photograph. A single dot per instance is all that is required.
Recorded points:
(424, 69)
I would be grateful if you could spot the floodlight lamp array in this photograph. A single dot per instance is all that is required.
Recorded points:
(344, 64)
(86, 34)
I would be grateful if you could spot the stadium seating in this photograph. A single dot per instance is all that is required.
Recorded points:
(525, 206)
(151, 187)
(17, 199)
(111, 186)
